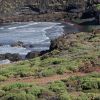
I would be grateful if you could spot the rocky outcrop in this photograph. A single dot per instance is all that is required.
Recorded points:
(33, 54)
(13, 7)
(63, 42)
(31, 10)
(18, 44)
(11, 57)
(55, 16)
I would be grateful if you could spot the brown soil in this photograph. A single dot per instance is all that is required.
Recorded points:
(43, 80)
(89, 69)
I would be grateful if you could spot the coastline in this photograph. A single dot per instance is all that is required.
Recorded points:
(48, 17)
(75, 29)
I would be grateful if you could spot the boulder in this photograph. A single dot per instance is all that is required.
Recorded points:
(13, 57)
(32, 54)
(18, 44)
(60, 43)
(2, 56)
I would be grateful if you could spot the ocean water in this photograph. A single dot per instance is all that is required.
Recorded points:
(29, 33)
(37, 34)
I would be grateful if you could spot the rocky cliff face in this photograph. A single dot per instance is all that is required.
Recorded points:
(8, 7)
(12, 7)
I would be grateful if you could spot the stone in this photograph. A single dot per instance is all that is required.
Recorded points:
(13, 57)
(18, 44)
(32, 54)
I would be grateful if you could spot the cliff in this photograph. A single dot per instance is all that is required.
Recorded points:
(14, 7)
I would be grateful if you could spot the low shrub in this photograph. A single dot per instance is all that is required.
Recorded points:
(18, 96)
(61, 70)
(3, 78)
(2, 93)
(48, 72)
(64, 96)
(82, 97)
(58, 87)
(16, 85)
(97, 98)
(55, 52)
(34, 90)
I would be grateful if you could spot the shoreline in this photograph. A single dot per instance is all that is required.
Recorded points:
(37, 53)
(33, 52)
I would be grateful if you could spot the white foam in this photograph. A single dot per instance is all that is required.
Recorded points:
(5, 61)
(28, 33)
(8, 49)
(22, 26)
(1, 27)
(70, 24)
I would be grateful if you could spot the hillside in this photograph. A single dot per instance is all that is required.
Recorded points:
(70, 71)
(8, 7)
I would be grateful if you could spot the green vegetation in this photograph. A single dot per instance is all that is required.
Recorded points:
(81, 48)
(79, 53)
(85, 83)
(98, 6)
(86, 87)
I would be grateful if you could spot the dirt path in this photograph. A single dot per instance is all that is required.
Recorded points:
(43, 80)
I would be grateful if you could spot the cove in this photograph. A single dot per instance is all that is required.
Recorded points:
(24, 37)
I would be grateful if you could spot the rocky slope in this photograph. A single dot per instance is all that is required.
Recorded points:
(11, 7)
(28, 10)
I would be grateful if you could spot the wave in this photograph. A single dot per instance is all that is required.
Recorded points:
(71, 24)
(4, 61)
(8, 49)
(30, 33)
(1, 27)
(22, 26)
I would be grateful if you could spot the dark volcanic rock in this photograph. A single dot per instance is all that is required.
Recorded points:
(63, 42)
(59, 43)
(13, 57)
(2, 56)
(17, 44)
(31, 55)
(26, 6)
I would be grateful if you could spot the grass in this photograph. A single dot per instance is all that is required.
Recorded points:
(84, 48)
(56, 90)
(79, 49)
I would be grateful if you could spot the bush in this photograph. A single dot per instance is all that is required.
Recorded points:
(2, 93)
(95, 75)
(19, 96)
(48, 72)
(55, 52)
(97, 98)
(16, 85)
(3, 78)
(83, 83)
(58, 87)
(89, 83)
(82, 97)
(61, 70)
(64, 96)
(56, 62)
(34, 90)
(98, 6)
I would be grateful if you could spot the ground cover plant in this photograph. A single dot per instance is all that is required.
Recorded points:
(71, 71)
